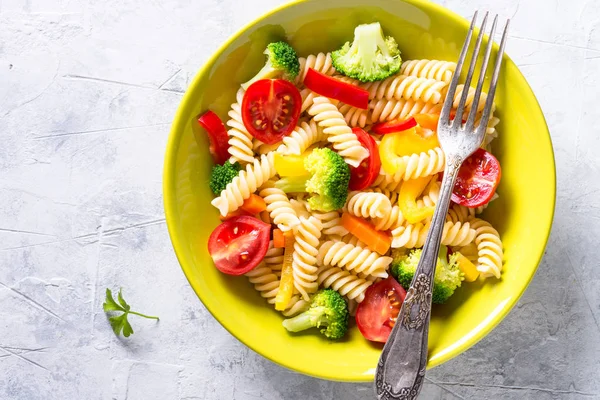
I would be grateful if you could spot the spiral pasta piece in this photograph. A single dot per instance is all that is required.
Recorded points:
(430, 69)
(307, 96)
(407, 87)
(358, 260)
(296, 305)
(302, 137)
(393, 220)
(343, 282)
(320, 62)
(384, 110)
(305, 256)
(274, 257)
(390, 194)
(264, 281)
(470, 98)
(240, 141)
(301, 208)
(351, 239)
(489, 248)
(368, 204)
(279, 207)
(354, 116)
(246, 183)
(418, 165)
(344, 141)
(331, 223)
(432, 193)
(414, 235)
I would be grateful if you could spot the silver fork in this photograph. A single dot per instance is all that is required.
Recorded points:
(401, 368)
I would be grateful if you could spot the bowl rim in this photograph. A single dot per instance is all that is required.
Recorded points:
(169, 200)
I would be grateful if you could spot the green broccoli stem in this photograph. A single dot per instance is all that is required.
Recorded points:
(306, 320)
(293, 184)
(266, 72)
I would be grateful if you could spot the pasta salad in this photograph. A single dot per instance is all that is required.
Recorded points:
(326, 177)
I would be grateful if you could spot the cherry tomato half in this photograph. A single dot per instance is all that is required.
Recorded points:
(477, 180)
(336, 89)
(239, 244)
(365, 174)
(270, 109)
(217, 135)
(376, 315)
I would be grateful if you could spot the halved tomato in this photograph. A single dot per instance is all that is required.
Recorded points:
(270, 109)
(477, 180)
(239, 244)
(376, 315)
(365, 174)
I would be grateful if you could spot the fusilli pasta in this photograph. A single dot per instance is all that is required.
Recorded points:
(338, 132)
(246, 183)
(305, 135)
(430, 69)
(368, 204)
(320, 62)
(354, 116)
(330, 222)
(384, 110)
(414, 235)
(343, 282)
(240, 141)
(407, 87)
(489, 248)
(358, 260)
(279, 207)
(418, 165)
(305, 256)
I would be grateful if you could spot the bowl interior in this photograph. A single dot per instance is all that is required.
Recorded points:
(522, 214)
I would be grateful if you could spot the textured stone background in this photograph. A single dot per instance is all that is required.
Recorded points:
(87, 93)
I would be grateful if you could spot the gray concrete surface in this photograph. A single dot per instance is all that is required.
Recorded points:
(87, 93)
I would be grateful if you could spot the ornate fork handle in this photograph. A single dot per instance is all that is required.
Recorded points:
(401, 368)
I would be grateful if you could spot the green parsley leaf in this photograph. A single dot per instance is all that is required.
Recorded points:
(119, 323)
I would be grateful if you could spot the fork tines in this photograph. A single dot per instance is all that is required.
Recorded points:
(445, 114)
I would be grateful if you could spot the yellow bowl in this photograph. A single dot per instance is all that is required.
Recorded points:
(523, 214)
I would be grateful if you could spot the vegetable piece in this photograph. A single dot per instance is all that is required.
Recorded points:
(237, 213)
(407, 200)
(217, 136)
(448, 275)
(254, 204)
(427, 121)
(239, 244)
(270, 109)
(282, 62)
(328, 310)
(336, 89)
(278, 239)
(119, 323)
(290, 165)
(379, 241)
(222, 175)
(396, 145)
(376, 315)
(370, 57)
(286, 283)
(327, 182)
(394, 126)
(467, 267)
(365, 174)
(477, 180)
(265, 217)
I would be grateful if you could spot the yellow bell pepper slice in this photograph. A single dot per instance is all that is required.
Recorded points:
(399, 144)
(286, 283)
(407, 200)
(291, 165)
(467, 268)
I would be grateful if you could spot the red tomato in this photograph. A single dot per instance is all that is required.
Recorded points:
(365, 174)
(393, 126)
(336, 89)
(217, 135)
(477, 180)
(239, 244)
(270, 109)
(376, 315)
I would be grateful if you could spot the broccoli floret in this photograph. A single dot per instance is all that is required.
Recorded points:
(370, 57)
(282, 62)
(327, 181)
(223, 174)
(328, 309)
(448, 275)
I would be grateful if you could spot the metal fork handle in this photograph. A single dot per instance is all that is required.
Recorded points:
(401, 368)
